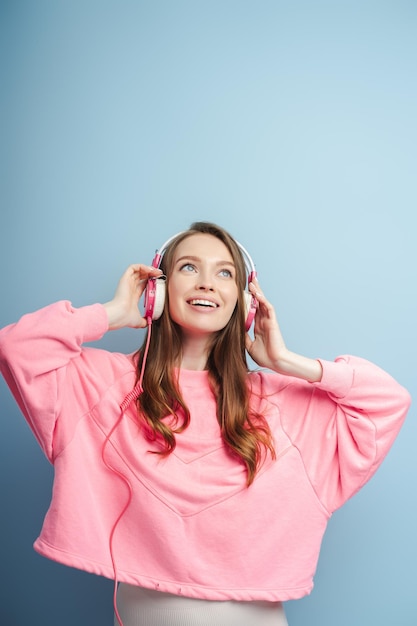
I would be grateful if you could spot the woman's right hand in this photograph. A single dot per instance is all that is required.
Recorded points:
(123, 310)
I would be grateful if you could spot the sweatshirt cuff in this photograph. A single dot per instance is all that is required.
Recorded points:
(337, 377)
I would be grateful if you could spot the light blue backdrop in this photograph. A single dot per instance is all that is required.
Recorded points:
(293, 124)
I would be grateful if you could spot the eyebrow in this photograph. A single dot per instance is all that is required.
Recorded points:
(190, 257)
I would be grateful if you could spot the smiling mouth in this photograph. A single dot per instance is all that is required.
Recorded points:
(203, 303)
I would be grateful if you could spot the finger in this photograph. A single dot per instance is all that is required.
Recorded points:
(257, 290)
(264, 305)
(154, 271)
(150, 273)
(143, 323)
(145, 271)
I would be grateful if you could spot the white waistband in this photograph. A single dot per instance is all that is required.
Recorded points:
(145, 607)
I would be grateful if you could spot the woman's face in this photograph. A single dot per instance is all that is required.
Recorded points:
(202, 285)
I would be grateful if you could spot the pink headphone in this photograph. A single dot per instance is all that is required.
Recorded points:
(155, 289)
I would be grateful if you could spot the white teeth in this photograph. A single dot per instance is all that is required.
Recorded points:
(203, 303)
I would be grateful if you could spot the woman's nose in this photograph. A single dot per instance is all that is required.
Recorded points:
(204, 282)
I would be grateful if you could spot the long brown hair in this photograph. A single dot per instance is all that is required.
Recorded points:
(245, 432)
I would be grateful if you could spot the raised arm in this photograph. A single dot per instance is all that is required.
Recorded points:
(268, 348)
(45, 363)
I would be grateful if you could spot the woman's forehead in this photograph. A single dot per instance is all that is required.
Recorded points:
(203, 245)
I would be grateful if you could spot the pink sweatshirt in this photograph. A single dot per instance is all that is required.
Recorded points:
(192, 526)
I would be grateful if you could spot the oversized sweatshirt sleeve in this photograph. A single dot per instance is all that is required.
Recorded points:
(344, 425)
(35, 353)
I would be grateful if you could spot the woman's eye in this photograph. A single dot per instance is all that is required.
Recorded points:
(226, 273)
(187, 267)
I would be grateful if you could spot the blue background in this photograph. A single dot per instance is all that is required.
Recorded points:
(292, 124)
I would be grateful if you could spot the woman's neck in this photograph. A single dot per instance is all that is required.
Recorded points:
(194, 353)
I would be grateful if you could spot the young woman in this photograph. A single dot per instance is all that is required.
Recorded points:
(201, 488)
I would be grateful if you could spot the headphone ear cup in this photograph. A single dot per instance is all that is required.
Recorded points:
(251, 305)
(160, 288)
(154, 298)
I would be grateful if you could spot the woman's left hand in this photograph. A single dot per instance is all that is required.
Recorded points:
(268, 346)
